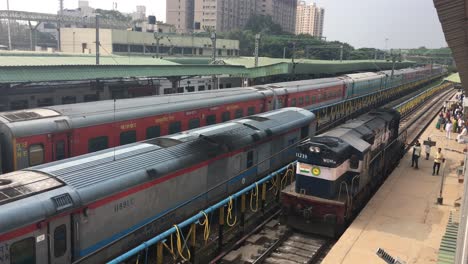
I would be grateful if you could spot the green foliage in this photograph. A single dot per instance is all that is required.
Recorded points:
(113, 14)
(263, 24)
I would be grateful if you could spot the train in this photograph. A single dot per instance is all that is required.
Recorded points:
(337, 172)
(41, 135)
(91, 208)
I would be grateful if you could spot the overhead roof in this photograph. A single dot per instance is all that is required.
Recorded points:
(453, 16)
(455, 78)
(20, 67)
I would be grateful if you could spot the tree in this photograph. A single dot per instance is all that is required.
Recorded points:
(263, 24)
(113, 14)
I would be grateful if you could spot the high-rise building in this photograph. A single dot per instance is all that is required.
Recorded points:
(180, 14)
(309, 19)
(225, 15)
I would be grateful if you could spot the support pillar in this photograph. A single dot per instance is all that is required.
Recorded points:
(220, 229)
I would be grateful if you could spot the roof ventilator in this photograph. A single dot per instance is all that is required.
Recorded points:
(62, 202)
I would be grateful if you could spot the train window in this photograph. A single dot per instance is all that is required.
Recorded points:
(239, 113)
(354, 162)
(36, 154)
(226, 116)
(250, 159)
(293, 102)
(68, 99)
(175, 127)
(304, 132)
(97, 143)
(307, 99)
(60, 241)
(127, 137)
(60, 150)
(211, 120)
(23, 251)
(153, 132)
(301, 100)
(194, 123)
(251, 110)
(201, 88)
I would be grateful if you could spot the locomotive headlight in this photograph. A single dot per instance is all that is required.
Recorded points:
(312, 149)
(317, 149)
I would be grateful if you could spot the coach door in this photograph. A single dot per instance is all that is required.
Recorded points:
(60, 145)
(59, 240)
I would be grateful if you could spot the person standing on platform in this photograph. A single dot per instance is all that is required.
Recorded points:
(448, 129)
(427, 147)
(439, 158)
(444, 107)
(463, 133)
(416, 155)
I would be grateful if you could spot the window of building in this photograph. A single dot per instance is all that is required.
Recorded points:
(201, 88)
(136, 48)
(60, 150)
(36, 154)
(23, 251)
(251, 110)
(250, 159)
(220, 52)
(194, 123)
(211, 120)
(175, 127)
(60, 241)
(200, 51)
(119, 48)
(190, 89)
(97, 143)
(153, 132)
(127, 137)
(307, 99)
(239, 113)
(301, 100)
(226, 116)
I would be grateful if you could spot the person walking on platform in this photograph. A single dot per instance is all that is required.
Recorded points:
(427, 147)
(439, 158)
(448, 129)
(416, 155)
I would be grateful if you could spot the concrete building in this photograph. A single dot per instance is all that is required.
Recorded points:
(82, 40)
(309, 19)
(225, 15)
(140, 13)
(180, 14)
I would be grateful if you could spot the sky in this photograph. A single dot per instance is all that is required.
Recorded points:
(362, 23)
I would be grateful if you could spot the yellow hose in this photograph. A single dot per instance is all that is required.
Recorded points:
(252, 195)
(206, 224)
(179, 245)
(229, 214)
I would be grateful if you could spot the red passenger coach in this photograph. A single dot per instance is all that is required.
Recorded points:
(35, 136)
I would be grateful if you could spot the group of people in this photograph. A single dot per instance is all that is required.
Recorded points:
(451, 120)
(438, 157)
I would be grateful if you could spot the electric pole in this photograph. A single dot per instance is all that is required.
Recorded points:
(213, 59)
(97, 40)
(257, 44)
(8, 25)
(341, 53)
(158, 38)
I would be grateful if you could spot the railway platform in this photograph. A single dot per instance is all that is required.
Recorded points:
(403, 217)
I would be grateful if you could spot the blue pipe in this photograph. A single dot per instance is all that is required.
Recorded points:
(193, 219)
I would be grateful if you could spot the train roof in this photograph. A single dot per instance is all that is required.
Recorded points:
(85, 179)
(356, 133)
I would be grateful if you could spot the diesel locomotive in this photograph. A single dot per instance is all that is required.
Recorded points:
(337, 172)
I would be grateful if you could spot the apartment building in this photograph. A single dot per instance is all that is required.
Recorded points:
(309, 19)
(225, 15)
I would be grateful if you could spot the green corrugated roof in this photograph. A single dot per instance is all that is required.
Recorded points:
(455, 78)
(37, 67)
(47, 60)
(448, 245)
